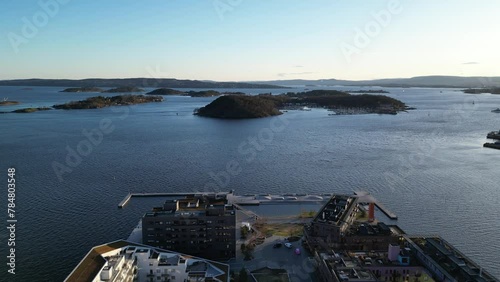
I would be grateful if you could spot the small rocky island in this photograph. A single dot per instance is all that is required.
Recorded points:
(204, 93)
(345, 103)
(8, 103)
(82, 89)
(263, 105)
(165, 91)
(239, 107)
(482, 90)
(31, 110)
(124, 89)
(370, 91)
(101, 102)
(210, 93)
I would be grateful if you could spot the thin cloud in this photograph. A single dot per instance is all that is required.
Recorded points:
(471, 63)
(298, 66)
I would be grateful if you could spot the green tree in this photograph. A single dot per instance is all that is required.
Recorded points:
(243, 277)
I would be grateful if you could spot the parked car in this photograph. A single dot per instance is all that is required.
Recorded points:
(288, 245)
(277, 245)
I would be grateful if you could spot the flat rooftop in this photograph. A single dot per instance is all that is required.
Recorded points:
(105, 257)
(450, 259)
(336, 209)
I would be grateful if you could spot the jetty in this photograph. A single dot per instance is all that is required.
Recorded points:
(368, 198)
(129, 196)
(243, 200)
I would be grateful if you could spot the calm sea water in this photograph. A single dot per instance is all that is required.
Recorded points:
(427, 165)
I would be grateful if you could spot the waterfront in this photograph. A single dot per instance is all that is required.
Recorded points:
(428, 166)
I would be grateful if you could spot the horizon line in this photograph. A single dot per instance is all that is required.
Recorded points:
(250, 81)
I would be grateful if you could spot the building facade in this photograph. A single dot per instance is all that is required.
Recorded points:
(202, 226)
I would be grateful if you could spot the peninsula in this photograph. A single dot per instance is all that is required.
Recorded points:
(101, 102)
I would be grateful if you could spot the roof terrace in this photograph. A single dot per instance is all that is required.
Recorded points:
(335, 211)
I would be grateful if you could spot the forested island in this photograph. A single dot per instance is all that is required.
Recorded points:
(101, 102)
(239, 107)
(263, 105)
(82, 89)
(482, 90)
(165, 91)
(124, 89)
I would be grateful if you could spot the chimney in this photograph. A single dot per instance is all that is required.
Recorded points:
(371, 212)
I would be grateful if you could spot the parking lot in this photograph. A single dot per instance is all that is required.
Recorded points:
(300, 267)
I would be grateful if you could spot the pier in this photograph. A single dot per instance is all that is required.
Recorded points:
(367, 197)
(129, 196)
(265, 199)
(240, 200)
(386, 211)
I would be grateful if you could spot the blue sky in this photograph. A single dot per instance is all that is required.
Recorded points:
(242, 40)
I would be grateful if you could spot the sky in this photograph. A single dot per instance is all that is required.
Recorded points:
(248, 40)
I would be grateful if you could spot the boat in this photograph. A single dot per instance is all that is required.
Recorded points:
(305, 109)
(497, 110)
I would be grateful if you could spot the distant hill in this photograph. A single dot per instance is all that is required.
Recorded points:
(132, 82)
(419, 81)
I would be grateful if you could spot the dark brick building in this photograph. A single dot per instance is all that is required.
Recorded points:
(202, 226)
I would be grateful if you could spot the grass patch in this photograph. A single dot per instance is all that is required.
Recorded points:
(307, 214)
(280, 229)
